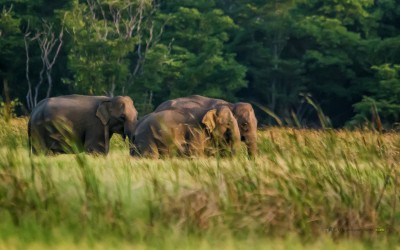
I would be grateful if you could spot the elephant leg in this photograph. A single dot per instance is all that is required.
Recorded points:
(176, 144)
(133, 150)
(94, 142)
(251, 145)
(56, 146)
(163, 150)
(228, 147)
(59, 137)
(57, 142)
(149, 150)
(196, 143)
(38, 141)
(45, 139)
(176, 149)
(166, 142)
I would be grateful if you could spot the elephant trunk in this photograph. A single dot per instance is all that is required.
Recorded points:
(251, 144)
(235, 147)
(132, 146)
(129, 130)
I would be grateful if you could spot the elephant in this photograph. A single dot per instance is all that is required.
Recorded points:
(242, 111)
(57, 124)
(185, 132)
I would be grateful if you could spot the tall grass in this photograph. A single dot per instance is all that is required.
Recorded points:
(312, 185)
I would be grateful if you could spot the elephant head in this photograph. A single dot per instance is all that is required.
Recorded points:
(221, 123)
(119, 114)
(247, 122)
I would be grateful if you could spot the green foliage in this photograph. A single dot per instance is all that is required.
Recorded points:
(196, 33)
(98, 51)
(7, 110)
(385, 96)
(10, 40)
(265, 28)
(268, 52)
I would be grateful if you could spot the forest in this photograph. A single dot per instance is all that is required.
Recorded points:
(292, 59)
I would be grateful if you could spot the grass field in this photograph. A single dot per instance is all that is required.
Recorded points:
(306, 189)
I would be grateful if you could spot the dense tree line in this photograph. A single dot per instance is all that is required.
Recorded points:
(288, 57)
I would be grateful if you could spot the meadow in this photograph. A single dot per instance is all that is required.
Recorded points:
(307, 189)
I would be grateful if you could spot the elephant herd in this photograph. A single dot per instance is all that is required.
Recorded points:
(187, 126)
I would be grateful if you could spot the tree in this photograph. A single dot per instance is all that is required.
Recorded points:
(261, 45)
(333, 40)
(34, 21)
(195, 37)
(10, 45)
(49, 44)
(384, 99)
(109, 43)
(382, 95)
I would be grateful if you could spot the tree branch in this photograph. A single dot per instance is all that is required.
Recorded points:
(47, 42)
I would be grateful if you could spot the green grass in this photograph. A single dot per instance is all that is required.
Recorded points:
(306, 189)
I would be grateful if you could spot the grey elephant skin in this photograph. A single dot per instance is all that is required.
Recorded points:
(242, 111)
(185, 132)
(71, 123)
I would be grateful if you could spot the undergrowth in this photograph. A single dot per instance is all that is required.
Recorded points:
(308, 185)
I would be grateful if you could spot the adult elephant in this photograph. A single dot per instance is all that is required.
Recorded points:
(57, 124)
(186, 132)
(242, 111)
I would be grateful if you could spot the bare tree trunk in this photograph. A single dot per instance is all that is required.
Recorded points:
(48, 48)
(38, 86)
(278, 39)
(127, 19)
(7, 108)
(29, 100)
(147, 102)
(275, 57)
(150, 99)
(50, 82)
(149, 42)
(112, 88)
(47, 41)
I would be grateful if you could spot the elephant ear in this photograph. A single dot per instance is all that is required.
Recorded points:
(103, 112)
(209, 119)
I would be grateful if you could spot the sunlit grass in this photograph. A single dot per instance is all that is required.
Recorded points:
(173, 242)
(306, 188)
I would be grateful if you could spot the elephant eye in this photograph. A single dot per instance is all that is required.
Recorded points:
(122, 117)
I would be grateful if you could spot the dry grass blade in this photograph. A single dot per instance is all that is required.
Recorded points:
(314, 184)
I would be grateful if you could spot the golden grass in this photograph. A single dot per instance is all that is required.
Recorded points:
(318, 186)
